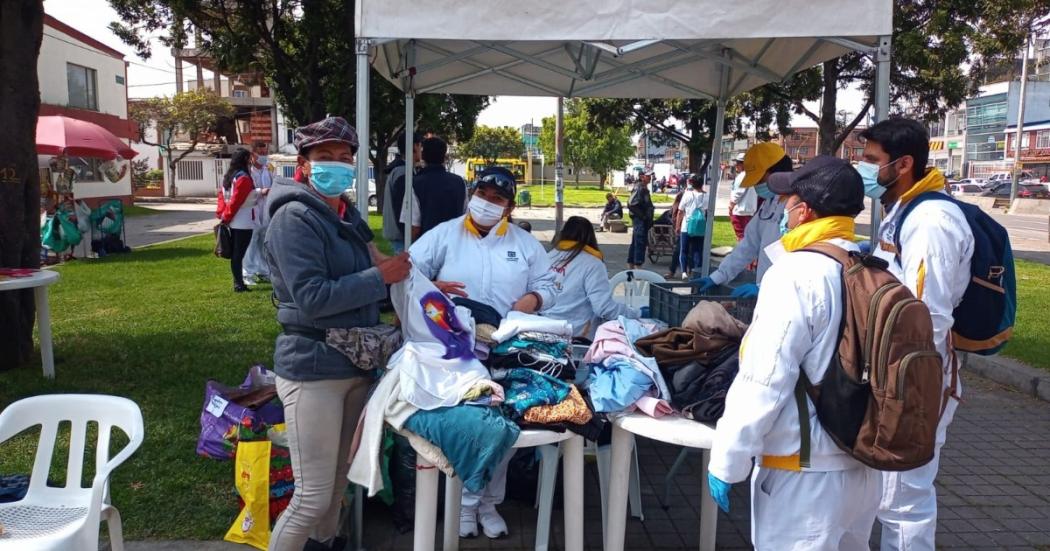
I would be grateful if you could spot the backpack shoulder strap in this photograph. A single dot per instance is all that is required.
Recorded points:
(920, 199)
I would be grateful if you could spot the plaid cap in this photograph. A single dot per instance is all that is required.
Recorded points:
(829, 185)
(332, 129)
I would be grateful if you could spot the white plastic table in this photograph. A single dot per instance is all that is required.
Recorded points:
(427, 492)
(39, 283)
(672, 430)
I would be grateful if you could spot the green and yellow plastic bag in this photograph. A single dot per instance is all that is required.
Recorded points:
(252, 469)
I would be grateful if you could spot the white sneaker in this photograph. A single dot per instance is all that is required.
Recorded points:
(685, 276)
(491, 522)
(468, 522)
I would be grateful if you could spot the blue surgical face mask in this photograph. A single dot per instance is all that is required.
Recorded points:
(763, 191)
(331, 178)
(784, 229)
(869, 173)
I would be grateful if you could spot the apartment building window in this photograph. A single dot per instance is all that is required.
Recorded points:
(83, 87)
(1042, 139)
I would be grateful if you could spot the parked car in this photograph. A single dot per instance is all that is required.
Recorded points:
(1024, 191)
(965, 189)
(980, 182)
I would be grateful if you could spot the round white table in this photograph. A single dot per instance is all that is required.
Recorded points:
(672, 430)
(38, 282)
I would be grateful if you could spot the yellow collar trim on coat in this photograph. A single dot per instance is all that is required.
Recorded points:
(567, 245)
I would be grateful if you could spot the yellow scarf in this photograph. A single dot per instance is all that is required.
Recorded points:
(566, 245)
(821, 229)
(501, 228)
(933, 181)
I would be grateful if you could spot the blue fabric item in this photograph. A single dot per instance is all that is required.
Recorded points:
(719, 491)
(474, 439)
(556, 349)
(526, 388)
(616, 384)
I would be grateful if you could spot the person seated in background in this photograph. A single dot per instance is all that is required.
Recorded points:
(613, 210)
(584, 295)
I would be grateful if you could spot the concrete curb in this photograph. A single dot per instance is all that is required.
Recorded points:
(1012, 373)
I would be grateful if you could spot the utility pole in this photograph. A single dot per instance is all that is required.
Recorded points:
(559, 182)
(1020, 117)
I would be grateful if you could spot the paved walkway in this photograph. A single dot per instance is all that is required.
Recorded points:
(172, 221)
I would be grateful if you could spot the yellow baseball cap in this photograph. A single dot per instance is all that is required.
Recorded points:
(758, 160)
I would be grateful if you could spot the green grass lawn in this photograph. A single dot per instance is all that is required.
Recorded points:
(583, 196)
(153, 326)
(137, 210)
(1031, 338)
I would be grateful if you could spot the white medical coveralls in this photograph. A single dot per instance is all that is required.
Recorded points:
(254, 260)
(830, 505)
(584, 295)
(936, 248)
(497, 270)
(762, 231)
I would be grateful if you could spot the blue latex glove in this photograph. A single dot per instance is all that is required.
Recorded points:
(705, 284)
(719, 491)
(745, 291)
(645, 311)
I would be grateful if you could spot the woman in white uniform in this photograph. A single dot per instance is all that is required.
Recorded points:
(584, 295)
(483, 256)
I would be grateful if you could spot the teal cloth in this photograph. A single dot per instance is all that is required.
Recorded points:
(555, 349)
(474, 439)
(526, 388)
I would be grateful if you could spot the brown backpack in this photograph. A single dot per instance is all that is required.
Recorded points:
(883, 393)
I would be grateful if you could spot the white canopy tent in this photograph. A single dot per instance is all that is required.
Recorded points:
(707, 49)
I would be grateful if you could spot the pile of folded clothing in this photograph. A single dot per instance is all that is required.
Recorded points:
(700, 359)
(533, 342)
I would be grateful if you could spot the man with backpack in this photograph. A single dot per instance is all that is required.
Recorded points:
(807, 492)
(929, 243)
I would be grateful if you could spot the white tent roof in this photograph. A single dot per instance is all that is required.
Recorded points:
(611, 48)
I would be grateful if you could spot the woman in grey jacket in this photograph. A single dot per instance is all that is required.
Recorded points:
(326, 274)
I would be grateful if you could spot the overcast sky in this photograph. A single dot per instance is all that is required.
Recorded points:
(156, 76)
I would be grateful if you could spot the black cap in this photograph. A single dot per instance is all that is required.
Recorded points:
(500, 179)
(829, 185)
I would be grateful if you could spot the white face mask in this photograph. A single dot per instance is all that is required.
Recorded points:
(485, 213)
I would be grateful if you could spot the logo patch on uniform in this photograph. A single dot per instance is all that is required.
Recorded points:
(512, 256)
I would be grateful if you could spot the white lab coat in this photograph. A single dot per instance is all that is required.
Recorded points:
(496, 270)
(584, 295)
(796, 326)
(744, 199)
(935, 253)
(762, 231)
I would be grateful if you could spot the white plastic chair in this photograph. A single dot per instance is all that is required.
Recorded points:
(635, 285)
(672, 430)
(572, 479)
(67, 517)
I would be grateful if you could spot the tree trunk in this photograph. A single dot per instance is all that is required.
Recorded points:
(601, 181)
(21, 30)
(828, 125)
(379, 166)
(172, 189)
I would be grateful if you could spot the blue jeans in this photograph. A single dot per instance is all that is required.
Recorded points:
(690, 249)
(639, 240)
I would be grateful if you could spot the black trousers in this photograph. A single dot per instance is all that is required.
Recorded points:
(241, 240)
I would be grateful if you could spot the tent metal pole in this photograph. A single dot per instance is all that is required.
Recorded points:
(364, 135)
(410, 131)
(559, 181)
(715, 169)
(882, 112)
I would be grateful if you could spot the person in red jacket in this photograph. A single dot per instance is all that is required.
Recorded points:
(237, 209)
